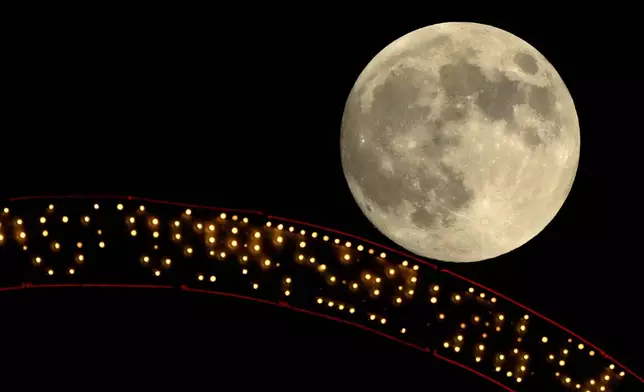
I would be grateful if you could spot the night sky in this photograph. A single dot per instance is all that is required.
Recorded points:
(246, 114)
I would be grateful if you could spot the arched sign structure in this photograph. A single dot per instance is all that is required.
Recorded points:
(48, 242)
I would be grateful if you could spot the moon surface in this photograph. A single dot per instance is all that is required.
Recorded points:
(460, 142)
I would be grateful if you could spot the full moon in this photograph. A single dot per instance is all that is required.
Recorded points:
(460, 142)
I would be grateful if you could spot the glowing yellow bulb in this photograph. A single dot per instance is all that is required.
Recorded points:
(457, 349)
(287, 293)
(38, 260)
(56, 245)
(333, 279)
(352, 310)
(132, 220)
(477, 359)
(157, 273)
(199, 226)
(433, 300)
(325, 238)
(482, 295)
(526, 357)
(86, 219)
(459, 338)
(372, 317)
(302, 244)
(291, 229)
(355, 285)
(43, 220)
(177, 223)
(211, 240)
(383, 255)
(96, 207)
(567, 380)
(222, 255)
(177, 236)
(392, 271)
(244, 271)
(267, 262)
(581, 346)
(257, 234)
(71, 271)
(200, 277)
(622, 374)
(481, 347)
(612, 367)
(376, 292)
(367, 276)
(256, 247)
(101, 244)
(501, 357)
(81, 257)
(591, 353)
(501, 317)
(411, 292)
(189, 250)
(360, 248)
(544, 339)
(320, 300)
(133, 232)
(118, 207)
(414, 279)
(471, 289)
(280, 239)
(457, 297)
(223, 215)
(403, 330)
(155, 234)
(562, 363)
(398, 300)
(168, 261)
(6, 210)
(336, 241)
(565, 352)
(188, 211)
(65, 219)
(255, 286)
(522, 328)
(146, 259)
(234, 230)
(213, 278)
(378, 280)
(383, 321)
(347, 257)
(314, 234)
(288, 280)
(331, 304)
(446, 345)
(415, 268)
(23, 235)
(50, 272)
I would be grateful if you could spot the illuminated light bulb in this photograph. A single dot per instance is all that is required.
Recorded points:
(446, 345)
(501, 357)
(177, 223)
(280, 239)
(551, 357)
(414, 279)
(43, 220)
(300, 257)
(392, 271)
(256, 248)
(355, 285)
(199, 226)
(287, 293)
(567, 380)
(562, 363)
(81, 257)
(457, 349)
(96, 206)
(544, 339)
(146, 259)
(433, 300)
(592, 382)
(188, 211)
(211, 227)
(118, 207)
(86, 219)
(235, 217)
(222, 255)
(222, 215)
(234, 230)
(477, 359)
(348, 244)
(56, 245)
(302, 232)
(378, 280)
(376, 292)
(459, 338)
(498, 369)
(320, 300)
(45, 233)
(65, 219)
(471, 289)
(565, 352)
(581, 346)
(360, 248)
(622, 374)
(155, 234)
(291, 229)
(302, 244)
(352, 310)
(498, 329)
(314, 234)
(255, 286)
(100, 232)
(403, 330)
(441, 316)
(189, 250)
(519, 379)
(200, 277)
(71, 271)
(333, 279)
(50, 272)
(325, 238)
(522, 328)
(211, 240)
(612, 367)
(267, 262)
(457, 297)
(213, 278)
(607, 377)
(133, 233)
(288, 280)
(526, 357)
(244, 271)
(482, 295)
(383, 255)
(411, 292)
(131, 220)
(330, 304)
(322, 267)
(367, 276)
(501, 317)
(233, 243)
(415, 268)
(591, 353)
(372, 317)
(509, 374)
(23, 235)
(398, 300)
(312, 260)
(493, 300)
(347, 257)
(157, 273)
(38, 260)
(516, 351)
(336, 241)
(168, 261)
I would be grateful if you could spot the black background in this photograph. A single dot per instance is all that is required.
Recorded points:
(228, 109)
